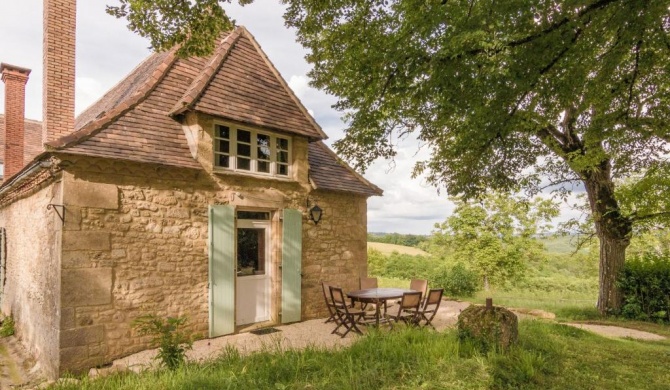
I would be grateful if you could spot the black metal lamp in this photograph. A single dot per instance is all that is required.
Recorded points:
(315, 214)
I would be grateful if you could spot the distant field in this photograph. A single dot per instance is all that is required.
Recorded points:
(387, 249)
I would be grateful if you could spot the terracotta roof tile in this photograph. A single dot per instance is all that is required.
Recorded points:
(328, 172)
(248, 88)
(32, 141)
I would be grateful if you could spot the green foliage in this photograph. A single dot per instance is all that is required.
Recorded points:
(413, 240)
(645, 284)
(401, 266)
(496, 237)
(7, 327)
(456, 280)
(167, 335)
(195, 25)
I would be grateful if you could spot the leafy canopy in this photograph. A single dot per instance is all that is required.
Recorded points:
(505, 92)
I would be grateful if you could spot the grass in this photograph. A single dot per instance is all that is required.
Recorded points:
(548, 356)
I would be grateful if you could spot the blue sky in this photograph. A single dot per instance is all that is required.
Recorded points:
(107, 51)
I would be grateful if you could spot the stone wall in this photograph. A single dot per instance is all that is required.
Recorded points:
(31, 291)
(135, 242)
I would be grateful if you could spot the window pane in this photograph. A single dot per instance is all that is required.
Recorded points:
(263, 146)
(223, 132)
(224, 146)
(250, 252)
(282, 156)
(282, 169)
(282, 144)
(253, 215)
(244, 150)
(222, 161)
(244, 136)
(243, 163)
(264, 166)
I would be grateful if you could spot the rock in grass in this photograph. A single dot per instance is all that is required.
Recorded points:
(492, 328)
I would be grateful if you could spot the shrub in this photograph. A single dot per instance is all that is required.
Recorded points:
(172, 342)
(645, 285)
(7, 327)
(457, 280)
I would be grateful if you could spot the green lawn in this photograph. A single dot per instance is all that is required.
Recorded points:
(549, 356)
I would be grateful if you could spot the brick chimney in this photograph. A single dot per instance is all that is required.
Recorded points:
(60, 18)
(15, 79)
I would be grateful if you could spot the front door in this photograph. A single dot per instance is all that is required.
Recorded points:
(253, 295)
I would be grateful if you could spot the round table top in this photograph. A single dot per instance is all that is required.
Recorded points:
(378, 293)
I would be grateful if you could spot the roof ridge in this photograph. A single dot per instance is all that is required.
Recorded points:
(200, 83)
(360, 177)
(95, 126)
(288, 90)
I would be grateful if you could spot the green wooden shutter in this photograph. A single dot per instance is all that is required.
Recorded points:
(291, 266)
(221, 270)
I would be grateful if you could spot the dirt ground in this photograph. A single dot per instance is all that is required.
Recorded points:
(616, 331)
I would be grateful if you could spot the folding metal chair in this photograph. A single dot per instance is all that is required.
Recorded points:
(408, 309)
(325, 287)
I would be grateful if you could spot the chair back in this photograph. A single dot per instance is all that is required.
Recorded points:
(338, 296)
(420, 285)
(410, 301)
(434, 297)
(325, 287)
(368, 283)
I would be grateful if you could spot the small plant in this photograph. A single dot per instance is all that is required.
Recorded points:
(172, 342)
(7, 327)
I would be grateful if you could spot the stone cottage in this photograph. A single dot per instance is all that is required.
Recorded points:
(187, 190)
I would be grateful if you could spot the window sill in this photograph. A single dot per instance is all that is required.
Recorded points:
(228, 172)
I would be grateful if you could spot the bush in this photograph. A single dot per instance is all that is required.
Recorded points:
(172, 342)
(401, 266)
(458, 281)
(7, 327)
(645, 285)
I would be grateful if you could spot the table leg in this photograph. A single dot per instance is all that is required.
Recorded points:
(377, 312)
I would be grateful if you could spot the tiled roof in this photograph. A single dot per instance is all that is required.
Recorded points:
(32, 144)
(249, 89)
(328, 172)
(138, 119)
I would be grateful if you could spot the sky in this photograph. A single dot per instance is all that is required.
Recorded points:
(107, 51)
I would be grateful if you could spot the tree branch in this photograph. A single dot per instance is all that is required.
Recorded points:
(638, 46)
(637, 218)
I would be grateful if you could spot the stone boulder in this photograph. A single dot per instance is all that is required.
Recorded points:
(492, 327)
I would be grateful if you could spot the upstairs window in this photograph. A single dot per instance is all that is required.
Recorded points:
(246, 150)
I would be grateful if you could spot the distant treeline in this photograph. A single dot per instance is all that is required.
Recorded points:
(397, 238)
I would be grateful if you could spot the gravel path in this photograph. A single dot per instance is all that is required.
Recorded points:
(617, 331)
(298, 335)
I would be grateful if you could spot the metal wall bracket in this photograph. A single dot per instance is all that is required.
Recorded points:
(61, 213)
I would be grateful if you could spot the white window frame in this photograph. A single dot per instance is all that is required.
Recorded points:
(253, 169)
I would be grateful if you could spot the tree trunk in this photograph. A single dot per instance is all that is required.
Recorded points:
(613, 230)
(612, 257)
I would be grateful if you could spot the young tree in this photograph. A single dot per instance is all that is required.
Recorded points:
(508, 94)
(496, 236)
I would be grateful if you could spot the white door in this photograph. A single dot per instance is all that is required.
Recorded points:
(253, 296)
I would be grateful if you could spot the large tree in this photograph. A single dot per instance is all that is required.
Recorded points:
(509, 95)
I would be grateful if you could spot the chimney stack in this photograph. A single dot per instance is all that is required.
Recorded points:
(60, 17)
(15, 79)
